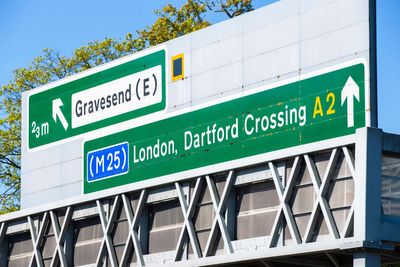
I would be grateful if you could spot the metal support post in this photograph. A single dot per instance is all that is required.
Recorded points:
(366, 259)
(368, 184)
(3, 244)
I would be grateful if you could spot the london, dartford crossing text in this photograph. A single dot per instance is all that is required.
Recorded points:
(215, 133)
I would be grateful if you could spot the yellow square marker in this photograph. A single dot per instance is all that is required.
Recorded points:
(177, 67)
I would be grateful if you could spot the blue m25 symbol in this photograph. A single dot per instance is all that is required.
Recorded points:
(108, 162)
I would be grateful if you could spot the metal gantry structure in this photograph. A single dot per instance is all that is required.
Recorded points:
(307, 206)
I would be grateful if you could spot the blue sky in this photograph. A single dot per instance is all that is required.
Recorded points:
(26, 27)
(388, 40)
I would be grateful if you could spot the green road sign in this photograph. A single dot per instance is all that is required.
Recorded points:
(108, 96)
(302, 111)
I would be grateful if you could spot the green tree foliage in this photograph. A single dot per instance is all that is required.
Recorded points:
(171, 22)
(231, 8)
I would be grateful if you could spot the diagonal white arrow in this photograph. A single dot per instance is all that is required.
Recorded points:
(57, 104)
(350, 91)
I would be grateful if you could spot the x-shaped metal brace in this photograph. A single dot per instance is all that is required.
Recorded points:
(59, 235)
(133, 224)
(107, 226)
(320, 203)
(188, 212)
(219, 208)
(36, 239)
(284, 210)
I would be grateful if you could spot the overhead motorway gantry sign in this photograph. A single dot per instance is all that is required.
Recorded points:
(108, 96)
(313, 107)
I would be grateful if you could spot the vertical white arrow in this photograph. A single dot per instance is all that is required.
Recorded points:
(57, 104)
(350, 91)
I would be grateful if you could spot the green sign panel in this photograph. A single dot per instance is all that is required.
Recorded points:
(109, 96)
(311, 109)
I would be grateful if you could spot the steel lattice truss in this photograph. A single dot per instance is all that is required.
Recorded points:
(58, 224)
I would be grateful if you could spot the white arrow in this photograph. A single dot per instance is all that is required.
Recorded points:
(350, 91)
(57, 103)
